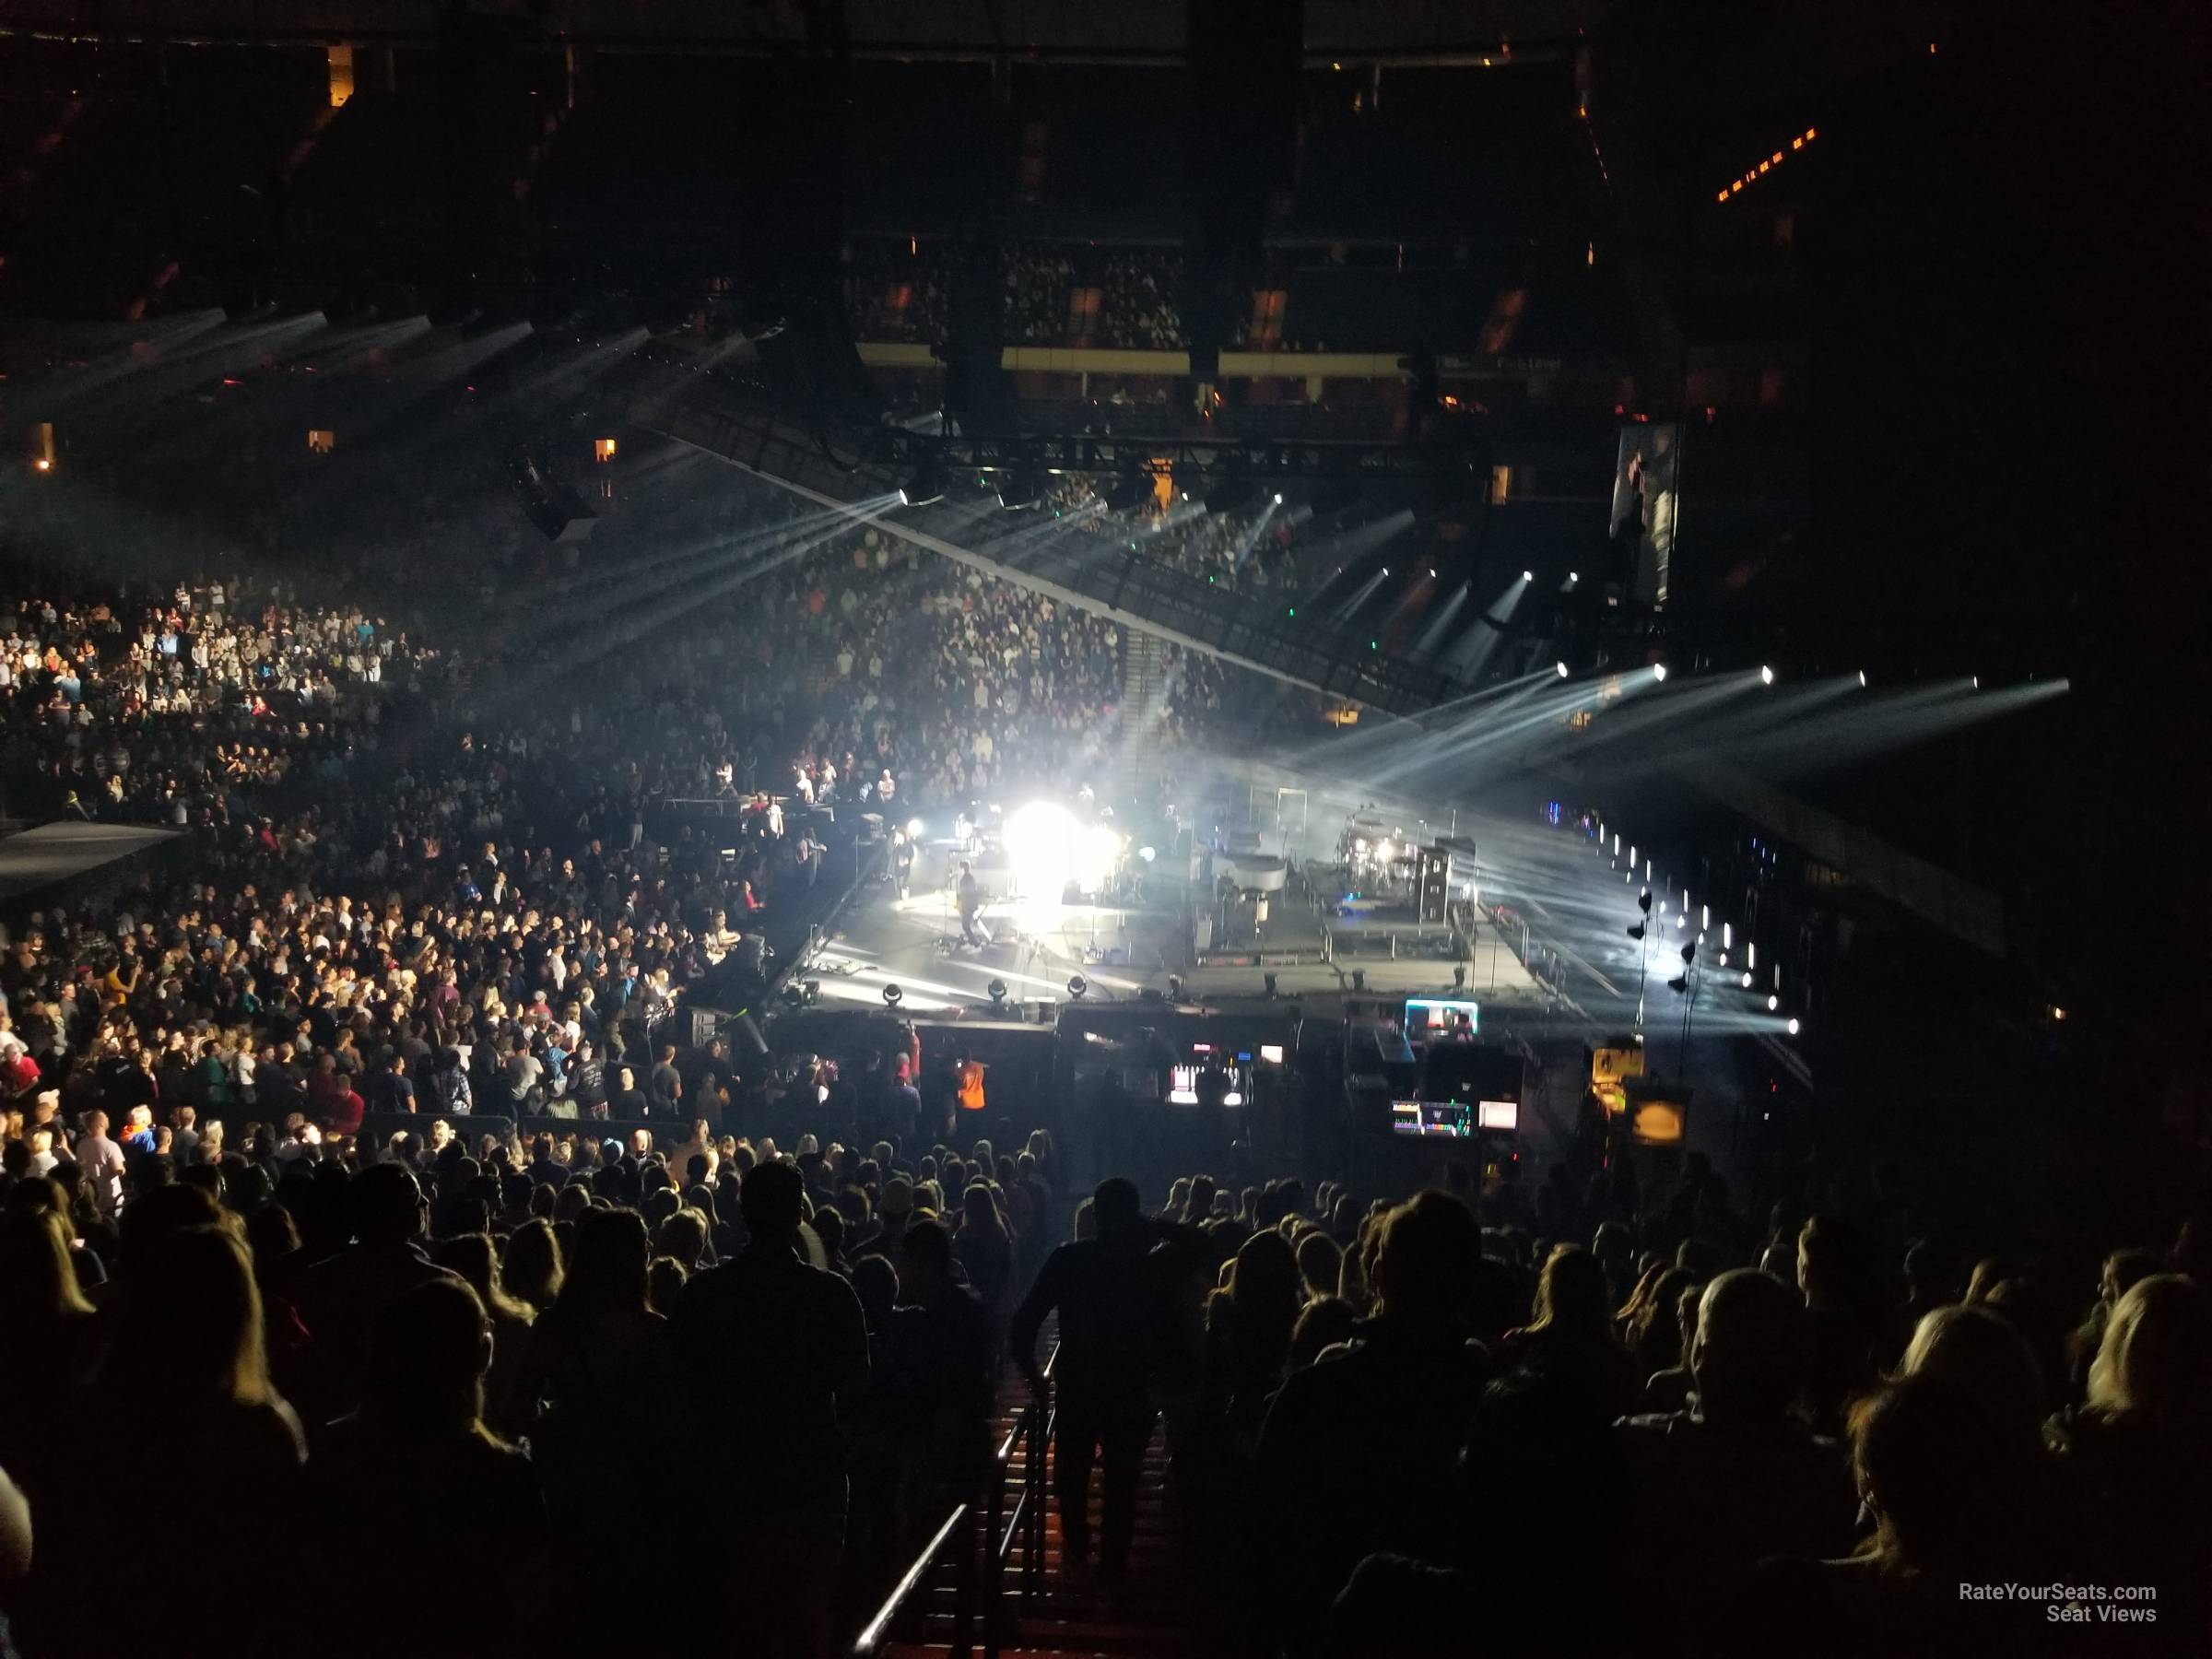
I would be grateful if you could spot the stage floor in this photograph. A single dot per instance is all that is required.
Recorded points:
(1037, 946)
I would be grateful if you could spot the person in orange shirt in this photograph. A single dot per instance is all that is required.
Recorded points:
(970, 1092)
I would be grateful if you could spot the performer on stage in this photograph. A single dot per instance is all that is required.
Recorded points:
(971, 907)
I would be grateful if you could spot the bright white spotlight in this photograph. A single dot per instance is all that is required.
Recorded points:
(1041, 847)
(1766, 676)
(1146, 854)
(1774, 1003)
(1659, 672)
(1746, 981)
(1794, 1028)
(1528, 575)
(1562, 667)
(913, 828)
(1382, 852)
(1862, 679)
(1097, 851)
(1977, 682)
(1279, 498)
(1574, 576)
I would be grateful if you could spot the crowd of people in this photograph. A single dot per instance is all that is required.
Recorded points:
(158, 708)
(902, 292)
(520, 1366)
(951, 682)
(1390, 1423)
(264, 1265)
(1571, 1421)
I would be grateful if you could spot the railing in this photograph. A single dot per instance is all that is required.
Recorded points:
(959, 1525)
(957, 1540)
(1033, 1425)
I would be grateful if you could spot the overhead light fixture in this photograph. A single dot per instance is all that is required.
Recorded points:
(1021, 489)
(1175, 987)
(1746, 981)
(997, 988)
(893, 997)
(1573, 577)
(1794, 1028)
(1862, 679)
(1659, 672)
(1679, 985)
(1635, 932)
(1279, 498)
(1772, 1004)
(1528, 575)
(1562, 668)
(1078, 986)
(1766, 676)
(926, 488)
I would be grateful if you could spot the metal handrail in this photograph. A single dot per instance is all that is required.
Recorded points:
(869, 1643)
(1033, 1424)
(1025, 1525)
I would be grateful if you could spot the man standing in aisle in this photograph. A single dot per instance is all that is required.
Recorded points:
(778, 1347)
(1110, 1291)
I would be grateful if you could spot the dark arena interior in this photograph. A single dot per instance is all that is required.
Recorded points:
(1337, 828)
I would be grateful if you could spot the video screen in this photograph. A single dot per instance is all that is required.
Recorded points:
(1499, 1114)
(1647, 463)
(1431, 1018)
(1452, 1118)
(1182, 1085)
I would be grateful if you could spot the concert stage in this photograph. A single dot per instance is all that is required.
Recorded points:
(1145, 940)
